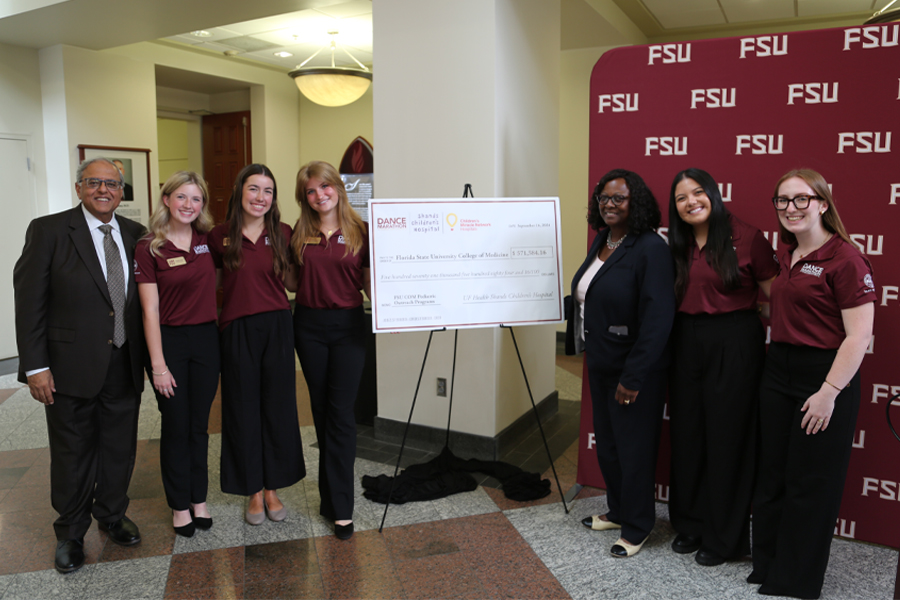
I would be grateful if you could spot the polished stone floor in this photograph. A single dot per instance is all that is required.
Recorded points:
(473, 545)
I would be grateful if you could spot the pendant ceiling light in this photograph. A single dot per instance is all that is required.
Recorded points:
(332, 86)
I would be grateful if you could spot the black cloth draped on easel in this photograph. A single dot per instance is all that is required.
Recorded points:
(448, 474)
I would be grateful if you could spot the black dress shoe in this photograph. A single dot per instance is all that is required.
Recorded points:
(708, 558)
(685, 544)
(69, 555)
(123, 532)
(186, 530)
(202, 523)
(343, 532)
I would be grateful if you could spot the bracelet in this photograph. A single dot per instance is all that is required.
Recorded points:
(159, 374)
(834, 386)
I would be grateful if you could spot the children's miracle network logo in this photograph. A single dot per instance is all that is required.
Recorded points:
(391, 223)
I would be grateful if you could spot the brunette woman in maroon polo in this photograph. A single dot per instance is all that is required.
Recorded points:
(261, 448)
(331, 248)
(718, 347)
(177, 284)
(822, 314)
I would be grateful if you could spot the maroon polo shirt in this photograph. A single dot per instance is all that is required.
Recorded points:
(807, 299)
(327, 278)
(185, 280)
(254, 288)
(706, 294)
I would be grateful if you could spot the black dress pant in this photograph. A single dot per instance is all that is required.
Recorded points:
(713, 406)
(627, 442)
(801, 477)
(261, 445)
(331, 345)
(192, 357)
(92, 447)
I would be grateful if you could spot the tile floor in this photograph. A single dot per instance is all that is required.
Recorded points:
(473, 545)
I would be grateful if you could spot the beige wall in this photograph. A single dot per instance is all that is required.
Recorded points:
(179, 146)
(273, 100)
(20, 97)
(485, 115)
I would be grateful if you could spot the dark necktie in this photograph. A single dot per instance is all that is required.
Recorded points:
(115, 281)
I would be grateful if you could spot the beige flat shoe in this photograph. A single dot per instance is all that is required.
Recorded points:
(622, 549)
(597, 524)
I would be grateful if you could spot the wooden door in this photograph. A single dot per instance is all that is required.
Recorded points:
(226, 150)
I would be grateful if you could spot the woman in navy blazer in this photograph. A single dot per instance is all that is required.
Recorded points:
(623, 309)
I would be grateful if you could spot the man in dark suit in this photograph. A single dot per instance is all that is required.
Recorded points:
(80, 339)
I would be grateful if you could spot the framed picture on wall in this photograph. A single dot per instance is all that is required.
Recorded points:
(134, 163)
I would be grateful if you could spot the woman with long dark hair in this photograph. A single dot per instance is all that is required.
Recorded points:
(261, 447)
(718, 346)
(176, 281)
(822, 317)
(622, 315)
(331, 248)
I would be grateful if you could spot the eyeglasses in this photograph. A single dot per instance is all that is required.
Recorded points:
(92, 183)
(616, 200)
(800, 201)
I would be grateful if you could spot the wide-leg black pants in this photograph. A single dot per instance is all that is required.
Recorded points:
(713, 406)
(92, 448)
(192, 357)
(331, 345)
(801, 477)
(627, 442)
(261, 445)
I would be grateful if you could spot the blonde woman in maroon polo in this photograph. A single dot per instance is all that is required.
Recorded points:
(261, 447)
(331, 250)
(822, 313)
(176, 281)
(718, 349)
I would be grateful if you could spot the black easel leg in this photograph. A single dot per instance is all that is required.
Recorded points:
(406, 431)
(452, 381)
(538, 418)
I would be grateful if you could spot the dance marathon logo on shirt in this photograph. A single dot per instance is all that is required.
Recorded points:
(340, 239)
(812, 270)
(267, 241)
(201, 249)
(869, 283)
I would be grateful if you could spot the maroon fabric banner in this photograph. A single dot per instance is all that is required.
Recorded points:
(747, 110)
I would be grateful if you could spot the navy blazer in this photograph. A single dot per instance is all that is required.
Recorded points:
(629, 309)
(64, 315)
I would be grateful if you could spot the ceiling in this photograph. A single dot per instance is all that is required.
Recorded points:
(257, 30)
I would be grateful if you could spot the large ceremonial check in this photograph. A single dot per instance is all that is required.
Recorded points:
(463, 263)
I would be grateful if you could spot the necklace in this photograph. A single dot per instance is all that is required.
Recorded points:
(814, 249)
(615, 244)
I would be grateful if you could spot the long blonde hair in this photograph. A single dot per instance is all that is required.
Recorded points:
(831, 220)
(352, 226)
(159, 220)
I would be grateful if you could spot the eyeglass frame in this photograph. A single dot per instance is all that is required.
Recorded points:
(789, 201)
(112, 185)
(612, 199)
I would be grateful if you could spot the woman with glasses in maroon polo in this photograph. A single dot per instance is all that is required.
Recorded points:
(822, 315)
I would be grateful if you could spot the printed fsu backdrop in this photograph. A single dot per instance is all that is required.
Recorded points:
(747, 110)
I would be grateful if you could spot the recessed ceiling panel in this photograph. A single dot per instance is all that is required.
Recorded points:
(745, 11)
(815, 8)
(686, 13)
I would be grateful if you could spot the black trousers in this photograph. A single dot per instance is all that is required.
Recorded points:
(713, 406)
(92, 447)
(331, 345)
(192, 357)
(627, 442)
(801, 477)
(261, 445)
